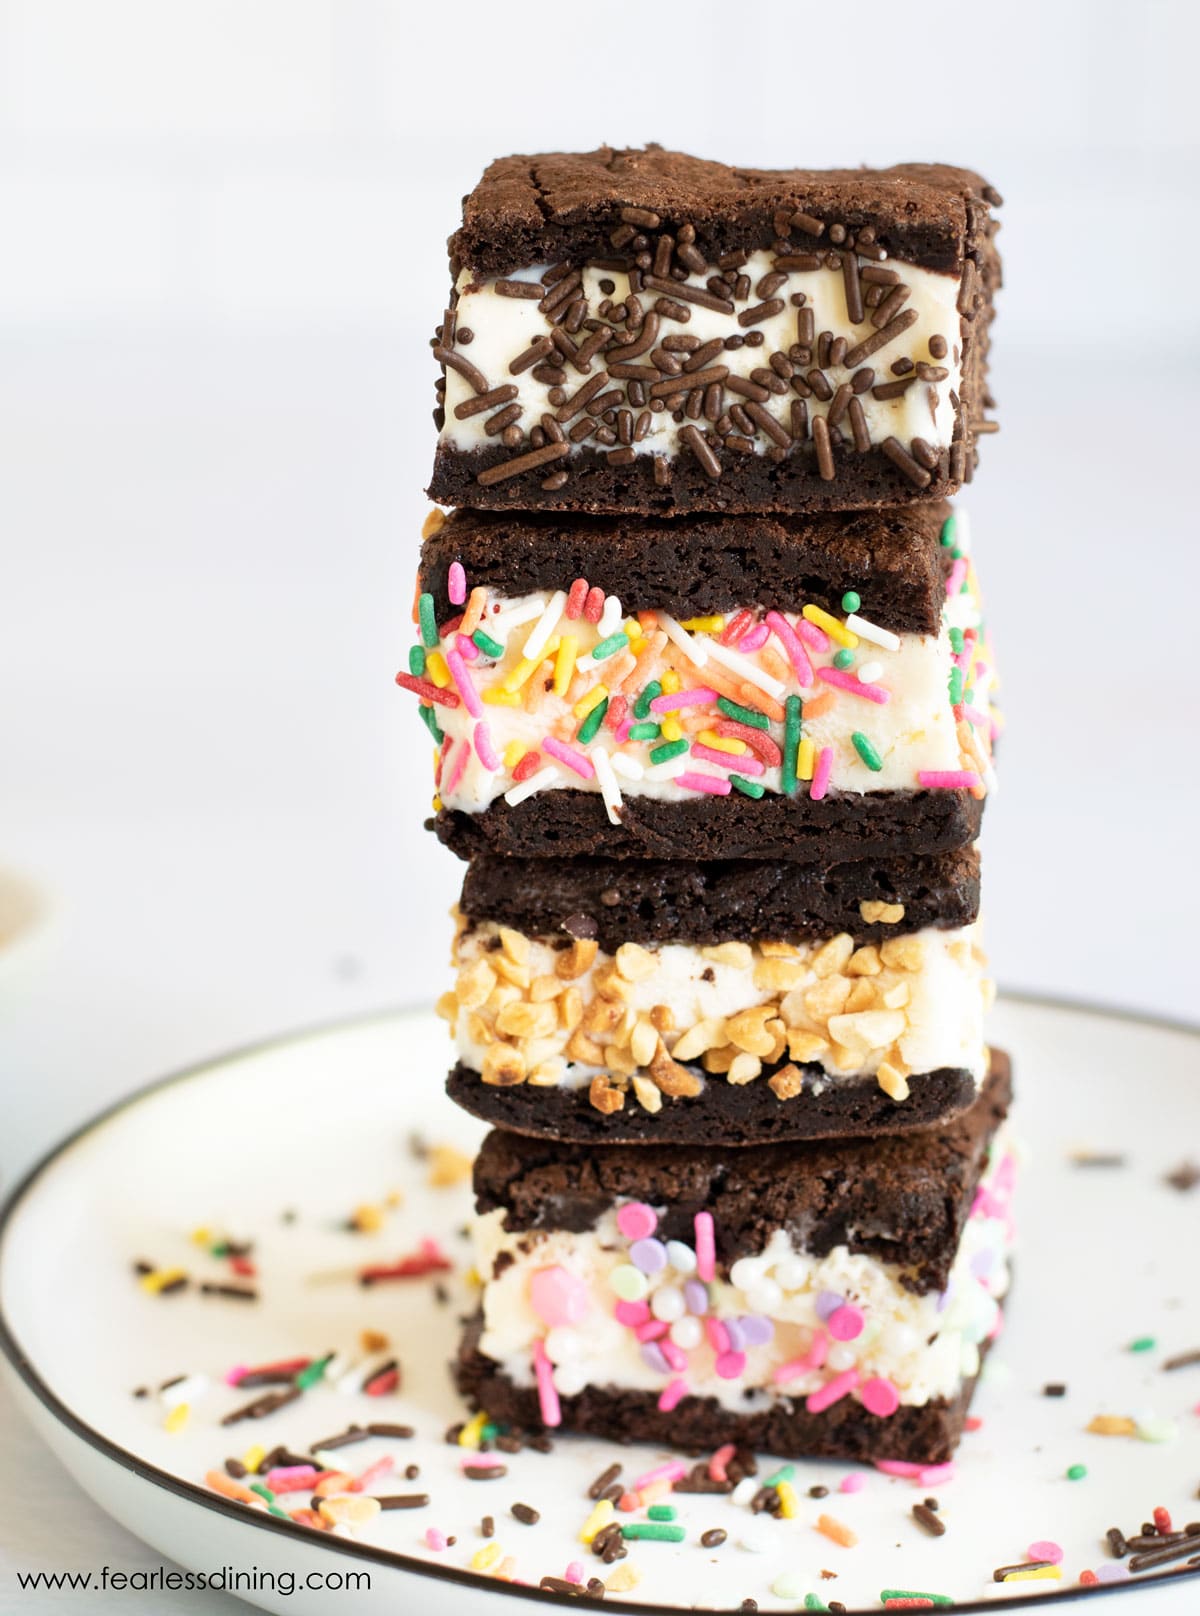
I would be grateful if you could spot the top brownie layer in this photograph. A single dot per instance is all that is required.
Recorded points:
(646, 331)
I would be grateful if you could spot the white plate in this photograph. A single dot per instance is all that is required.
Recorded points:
(321, 1123)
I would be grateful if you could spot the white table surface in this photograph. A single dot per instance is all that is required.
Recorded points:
(209, 544)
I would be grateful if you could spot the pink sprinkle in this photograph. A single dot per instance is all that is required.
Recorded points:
(435, 1540)
(486, 751)
(573, 759)
(637, 1221)
(856, 687)
(456, 583)
(822, 771)
(792, 1370)
(650, 1330)
(957, 573)
(718, 1335)
(948, 779)
(797, 655)
(754, 639)
(631, 1314)
(742, 763)
(622, 730)
(574, 1572)
(232, 1376)
(706, 1250)
(898, 1467)
(669, 701)
(290, 1478)
(731, 1365)
(456, 773)
(711, 783)
(467, 649)
(976, 718)
(1045, 1549)
(674, 1355)
(930, 1475)
(832, 1391)
(551, 1409)
(719, 1460)
(672, 1394)
(812, 1359)
(672, 1470)
(812, 635)
(557, 1296)
(846, 1322)
(880, 1397)
(853, 1483)
(464, 684)
(372, 1474)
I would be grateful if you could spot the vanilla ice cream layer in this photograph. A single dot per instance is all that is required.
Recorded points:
(527, 1010)
(503, 328)
(924, 1346)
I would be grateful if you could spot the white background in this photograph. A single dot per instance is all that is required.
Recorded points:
(221, 229)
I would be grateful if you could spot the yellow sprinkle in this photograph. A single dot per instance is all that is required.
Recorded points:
(593, 699)
(513, 753)
(789, 1504)
(177, 1418)
(672, 729)
(253, 1457)
(835, 630)
(564, 663)
(367, 1219)
(1112, 1425)
(704, 625)
(722, 743)
(633, 629)
(161, 1277)
(447, 1166)
(471, 1434)
(516, 676)
(804, 758)
(639, 645)
(436, 805)
(600, 1517)
(1050, 1573)
(486, 1556)
(201, 1237)
(435, 667)
(670, 681)
(497, 697)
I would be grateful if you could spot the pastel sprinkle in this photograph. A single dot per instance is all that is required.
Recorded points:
(793, 714)
(662, 1512)
(836, 631)
(484, 749)
(790, 640)
(669, 702)
(836, 1532)
(743, 715)
(832, 1391)
(568, 755)
(609, 647)
(748, 788)
(435, 1540)
(851, 601)
(549, 1406)
(821, 773)
(711, 784)
(789, 1504)
(427, 621)
(672, 1394)
(882, 637)
(843, 659)
(636, 1220)
(1076, 1472)
(846, 1322)
(948, 779)
(664, 754)
(880, 1397)
(487, 644)
(456, 583)
(847, 681)
(1143, 1343)
(1045, 1549)
(706, 1251)
(853, 1483)
(653, 1532)
(601, 1516)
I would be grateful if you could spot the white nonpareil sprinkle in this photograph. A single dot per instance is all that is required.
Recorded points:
(883, 637)
(536, 782)
(545, 626)
(869, 672)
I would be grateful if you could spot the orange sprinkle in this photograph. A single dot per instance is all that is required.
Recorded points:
(751, 696)
(228, 1488)
(836, 1532)
(775, 664)
(476, 601)
(628, 1502)
(814, 706)
(339, 1482)
(653, 1491)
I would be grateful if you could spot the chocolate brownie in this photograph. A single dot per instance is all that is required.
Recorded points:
(647, 331)
(903, 1199)
(712, 564)
(683, 900)
(839, 827)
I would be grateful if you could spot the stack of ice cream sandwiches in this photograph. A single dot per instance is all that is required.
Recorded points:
(701, 649)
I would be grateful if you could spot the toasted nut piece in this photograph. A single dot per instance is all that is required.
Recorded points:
(599, 1016)
(545, 987)
(719, 1060)
(744, 1068)
(893, 1083)
(739, 955)
(515, 944)
(786, 1083)
(609, 983)
(805, 1046)
(570, 1008)
(604, 1094)
(547, 1074)
(748, 1029)
(447, 1007)
(827, 998)
(841, 1059)
(644, 1043)
(867, 1029)
(779, 975)
(518, 975)
(862, 995)
(585, 1050)
(663, 1017)
(479, 1029)
(832, 956)
(649, 1097)
(635, 963)
(525, 1020)
(895, 997)
(778, 1035)
(503, 1066)
(503, 993)
(475, 982)
(903, 953)
(960, 951)
(433, 523)
(877, 913)
(1111, 1425)
(696, 1039)
(672, 1078)
(574, 961)
(864, 962)
(779, 951)
(620, 1060)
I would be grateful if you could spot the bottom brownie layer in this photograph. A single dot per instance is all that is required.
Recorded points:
(722, 1113)
(926, 1435)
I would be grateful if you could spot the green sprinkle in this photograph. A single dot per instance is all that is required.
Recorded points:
(662, 1512)
(429, 719)
(843, 658)
(274, 1509)
(784, 1473)
(956, 641)
(487, 644)
(1144, 1343)
(610, 646)
(851, 601)
(668, 750)
(221, 1249)
(657, 1531)
(644, 732)
(416, 661)
(490, 1431)
(947, 534)
(263, 1492)
(641, 707)
(592, 722)
(313, 1373)
(956, 686)
(793, 709)
(969, 696)
(429, 631)
(1076, 1472)
(743, 715)
(748, 788)
(811, 1602)
(908, 1593)
(865, 750)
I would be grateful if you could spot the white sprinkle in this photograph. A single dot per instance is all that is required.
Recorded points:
(744, 1491)
(741, 664)
(691, 648)
(962, 529)
(350, 1382)
(670, 768)
(186, 1390)
(788, 1586)
(629, 767)
(610, 617)
(882, 637)
(869, 672)
(545, 626)
(609, 789)
(536, 782)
